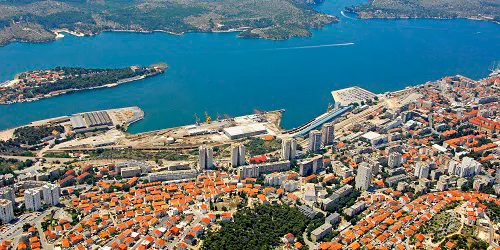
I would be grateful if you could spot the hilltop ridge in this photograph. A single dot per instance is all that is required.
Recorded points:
(34, 20)
(488, 10)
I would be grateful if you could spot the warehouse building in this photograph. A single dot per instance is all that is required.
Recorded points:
(90, 121)
(243, 131)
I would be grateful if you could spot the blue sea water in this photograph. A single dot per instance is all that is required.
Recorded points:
(220, 73)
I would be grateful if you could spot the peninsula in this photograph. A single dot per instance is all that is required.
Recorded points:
(488, 10)
(38, 84)
(40, 20)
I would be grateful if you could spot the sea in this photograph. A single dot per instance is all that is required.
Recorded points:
(219, 73)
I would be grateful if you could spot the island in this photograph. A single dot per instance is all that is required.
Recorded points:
(38, 84)
(488, 10)
(43, 20)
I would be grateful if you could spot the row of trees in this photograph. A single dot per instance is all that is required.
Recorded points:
(32, 135)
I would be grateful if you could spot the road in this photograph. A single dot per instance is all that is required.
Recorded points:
(15, 230)
(24, 158)
(38, 224)
(308, 243)
(492, 233)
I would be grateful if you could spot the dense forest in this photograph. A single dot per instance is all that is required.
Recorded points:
(258, 228)
(33, 135)
(493, 211)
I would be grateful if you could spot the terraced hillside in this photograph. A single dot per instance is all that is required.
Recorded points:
(476, 9)
(32, 20)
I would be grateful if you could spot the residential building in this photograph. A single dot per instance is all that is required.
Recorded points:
(497, 175)
(422, 170)
(310, 192)
(310, 165)
(355, 209)
(32, 199)
(364, 176)
(8, 194)
(255, 170)
(467, 168)
(333, 218)
(51, 193)
(395, 160)
(172, 175)
(320, 232)
(206, 157)
(6, 210)
(328, 133)
(314, 141)
(238, 155)
(341, 192)
(143, 166)
(288, 149)
(128, 172)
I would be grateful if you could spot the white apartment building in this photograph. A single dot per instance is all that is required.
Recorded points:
(51, 194)
(33, 199)
(6, 210)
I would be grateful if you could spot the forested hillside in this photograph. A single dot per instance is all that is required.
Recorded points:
(31, 20)
(477, 9)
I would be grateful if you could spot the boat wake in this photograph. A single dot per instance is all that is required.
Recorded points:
(314, 46)
(346, 16)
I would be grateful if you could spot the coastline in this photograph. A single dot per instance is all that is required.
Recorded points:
(58, 33)
(363, 15)
(66, 91)
(431, 18)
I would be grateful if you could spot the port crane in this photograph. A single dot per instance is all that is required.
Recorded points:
(330, 107)
(197, 119)
(229, 119)
(208, 119)
(494, 68)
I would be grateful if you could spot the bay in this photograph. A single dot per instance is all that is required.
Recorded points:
(220, 73)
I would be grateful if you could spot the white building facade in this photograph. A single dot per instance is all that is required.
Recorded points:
(33, 199)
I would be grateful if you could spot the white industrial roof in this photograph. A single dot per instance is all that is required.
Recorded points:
(371, 135)
(245, 129)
